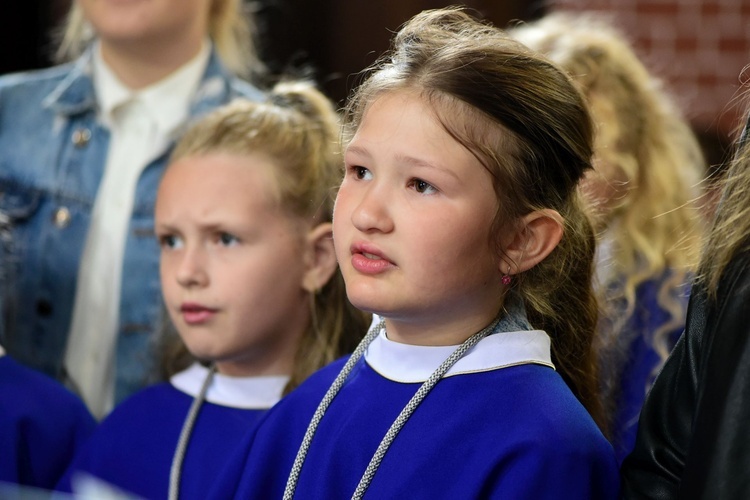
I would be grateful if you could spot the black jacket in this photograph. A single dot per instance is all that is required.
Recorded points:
(694, 429)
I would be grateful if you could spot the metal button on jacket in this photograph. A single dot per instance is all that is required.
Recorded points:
(81, 137)
(61, 217)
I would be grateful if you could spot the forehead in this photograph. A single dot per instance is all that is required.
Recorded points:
(401, 123)
(221, 180)
(216, 170)
(454, 120)
(408, 114)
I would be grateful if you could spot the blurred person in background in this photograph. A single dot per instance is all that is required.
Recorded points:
(83, 146)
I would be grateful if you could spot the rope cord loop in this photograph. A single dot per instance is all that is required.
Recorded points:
(338, 383)
(396, 426)
(187, 428)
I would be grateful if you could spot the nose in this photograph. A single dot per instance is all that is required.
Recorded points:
(372, 210)
(191, 269)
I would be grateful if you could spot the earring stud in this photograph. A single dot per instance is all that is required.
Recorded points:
(506, 279)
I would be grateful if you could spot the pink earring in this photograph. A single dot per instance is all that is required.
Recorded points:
(506, 279)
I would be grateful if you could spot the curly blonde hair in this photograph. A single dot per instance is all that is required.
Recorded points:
(730, 232)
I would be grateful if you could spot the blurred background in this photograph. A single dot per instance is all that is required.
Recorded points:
(698, 47)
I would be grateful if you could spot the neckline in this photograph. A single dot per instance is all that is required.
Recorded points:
(236, 392)
(414, 363)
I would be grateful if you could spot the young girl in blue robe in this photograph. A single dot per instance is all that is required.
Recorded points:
(250, 280)
(458, 223)
(42, 424)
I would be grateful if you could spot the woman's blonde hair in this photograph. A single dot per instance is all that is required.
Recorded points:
(231, 27)
(654, 229)
(730, 233)
(299, 129)
(525, 121)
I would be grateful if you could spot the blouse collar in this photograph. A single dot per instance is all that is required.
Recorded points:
(236, 392)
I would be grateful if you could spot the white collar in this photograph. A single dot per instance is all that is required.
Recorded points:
(167, 100)
(2, 351)
(236, 392)
(413, 363)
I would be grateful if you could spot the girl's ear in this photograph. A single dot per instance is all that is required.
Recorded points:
(536, 236)
(320, 256)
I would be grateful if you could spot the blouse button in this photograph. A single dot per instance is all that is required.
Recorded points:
(43, 308)
(61, 217)
(81, 137)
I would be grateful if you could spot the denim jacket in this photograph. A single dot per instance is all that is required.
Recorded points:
(52, 156)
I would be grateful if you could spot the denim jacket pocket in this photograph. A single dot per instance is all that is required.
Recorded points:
(17, 203)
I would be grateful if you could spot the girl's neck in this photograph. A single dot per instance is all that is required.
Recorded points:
(256, 367)
(273, 356)
(438, 331)
(139, 65)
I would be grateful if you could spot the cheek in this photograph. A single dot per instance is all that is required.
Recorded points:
(168, 288)
(340, 206)
(168, 270)
(341, 220)
(168, 262)
(472, 250)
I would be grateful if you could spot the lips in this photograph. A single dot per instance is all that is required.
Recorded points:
(195, 314)
(368, 259)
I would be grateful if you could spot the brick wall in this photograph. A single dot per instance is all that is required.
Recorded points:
(700, 48)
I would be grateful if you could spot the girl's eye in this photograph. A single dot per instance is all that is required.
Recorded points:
(227, 239)
(423, 187)
(361, 173)
(170, 241)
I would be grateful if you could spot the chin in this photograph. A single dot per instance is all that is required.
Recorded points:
(370, 305)
(367, 294)
(202, 353)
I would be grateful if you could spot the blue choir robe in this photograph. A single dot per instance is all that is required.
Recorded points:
(133, 447)
(631, 364)
(42, 424)
(501, 424)
(642, 361)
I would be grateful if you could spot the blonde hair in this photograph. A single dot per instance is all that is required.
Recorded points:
(730, 233)
(525, 121)
(299, 129)
(655, 228)
(231, 27)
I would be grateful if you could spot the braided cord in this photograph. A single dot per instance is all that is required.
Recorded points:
(187, 429)
(291, 483)
(400, 421)
(412, 405)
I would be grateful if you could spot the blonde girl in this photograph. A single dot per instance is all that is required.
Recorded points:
(250, 281)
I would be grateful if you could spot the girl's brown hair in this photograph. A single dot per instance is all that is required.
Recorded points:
(654, 229)
(525, 121)
(730, 233)
(298, 128)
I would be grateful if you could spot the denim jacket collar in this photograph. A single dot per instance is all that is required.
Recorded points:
(76, 94)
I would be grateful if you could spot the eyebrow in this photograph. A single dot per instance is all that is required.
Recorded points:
(357, 151)
(160, 227)
(173, 228)
(409, 160)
